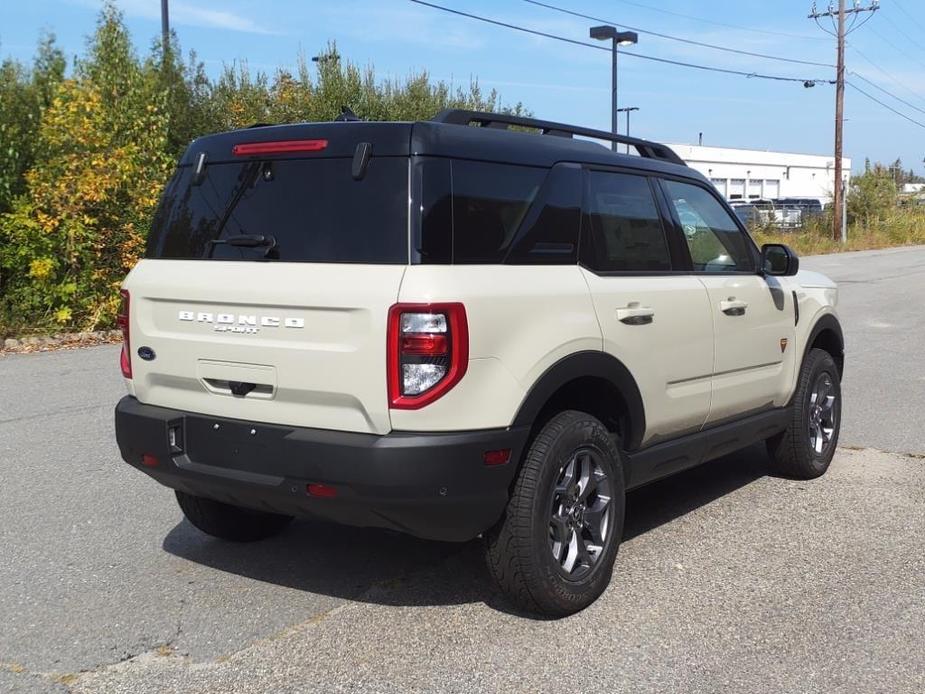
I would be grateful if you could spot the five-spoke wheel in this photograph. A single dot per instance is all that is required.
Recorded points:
(580, 514)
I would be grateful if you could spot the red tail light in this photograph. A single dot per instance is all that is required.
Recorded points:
(325, 491)
(427, 354)
(125, 361)
(278, 147)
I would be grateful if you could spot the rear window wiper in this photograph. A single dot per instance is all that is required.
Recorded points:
(248, 241)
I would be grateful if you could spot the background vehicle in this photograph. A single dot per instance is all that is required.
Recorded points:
(452, 331)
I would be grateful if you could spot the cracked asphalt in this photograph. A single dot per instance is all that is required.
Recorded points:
(729, 579)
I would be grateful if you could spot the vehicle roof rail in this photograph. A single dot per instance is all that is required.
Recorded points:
(504, 121)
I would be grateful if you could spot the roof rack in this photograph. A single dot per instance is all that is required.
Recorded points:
(503, 121)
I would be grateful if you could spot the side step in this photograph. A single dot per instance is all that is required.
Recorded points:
(664, 459)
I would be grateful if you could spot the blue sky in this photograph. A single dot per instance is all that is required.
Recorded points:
(559, 81)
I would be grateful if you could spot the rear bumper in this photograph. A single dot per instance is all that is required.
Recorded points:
(431, 485)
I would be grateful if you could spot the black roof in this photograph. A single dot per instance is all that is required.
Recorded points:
(449, 135)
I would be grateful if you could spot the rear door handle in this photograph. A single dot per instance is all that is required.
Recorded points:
(733, 307)
(634, 314)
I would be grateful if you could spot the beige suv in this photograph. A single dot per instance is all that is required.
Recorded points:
(457, 331)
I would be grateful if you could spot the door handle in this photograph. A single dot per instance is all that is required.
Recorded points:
(634, 314)
(733, 307)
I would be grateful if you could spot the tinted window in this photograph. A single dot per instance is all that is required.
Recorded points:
(549, 234)
(471, 211)
(715, 241)
(314, 209)
(622, 228)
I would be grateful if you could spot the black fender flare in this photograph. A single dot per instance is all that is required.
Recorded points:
(827, 322)
(580, 365)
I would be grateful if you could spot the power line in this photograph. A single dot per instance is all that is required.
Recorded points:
(906, 12)
(677, 38)
(896, 48)
(902, 32)
(679, 63)
(886, 106)
(890, 94)
(886, 74)
(721, 24)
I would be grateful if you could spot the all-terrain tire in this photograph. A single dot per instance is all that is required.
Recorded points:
(815, 412)
(230, 522)
(520, 548)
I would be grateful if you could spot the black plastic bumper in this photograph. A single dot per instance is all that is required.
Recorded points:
(434, 486)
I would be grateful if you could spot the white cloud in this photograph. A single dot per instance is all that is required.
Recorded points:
(188, 14)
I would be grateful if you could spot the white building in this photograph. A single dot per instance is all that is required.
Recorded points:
(749, 174)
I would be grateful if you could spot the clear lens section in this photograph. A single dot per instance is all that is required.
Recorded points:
(419, 377)
(423, 323)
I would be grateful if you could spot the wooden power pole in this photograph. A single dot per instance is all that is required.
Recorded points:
(839, 16)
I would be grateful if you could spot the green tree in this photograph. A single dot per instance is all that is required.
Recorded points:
(872, 195)
(100, 164)
(24, 94)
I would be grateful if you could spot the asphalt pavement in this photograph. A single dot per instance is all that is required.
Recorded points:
(729, 580)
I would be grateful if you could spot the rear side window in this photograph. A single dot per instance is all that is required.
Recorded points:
(314, 210)
(481, 212)
(622, 230)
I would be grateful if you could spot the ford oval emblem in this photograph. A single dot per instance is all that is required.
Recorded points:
(146, 353)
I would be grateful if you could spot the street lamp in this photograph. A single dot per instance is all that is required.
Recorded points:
(617, 38)
(627, 110)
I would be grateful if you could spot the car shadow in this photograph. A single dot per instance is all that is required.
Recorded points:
(389, 568)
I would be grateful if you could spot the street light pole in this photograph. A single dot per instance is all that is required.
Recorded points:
(628, 110)
(617, 38)
(165, 27)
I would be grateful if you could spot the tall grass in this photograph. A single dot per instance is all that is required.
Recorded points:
(900, 226)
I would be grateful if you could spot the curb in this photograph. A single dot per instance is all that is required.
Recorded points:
(48, 343)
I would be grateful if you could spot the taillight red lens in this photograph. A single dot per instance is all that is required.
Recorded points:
(125, 360)
(278, 147)
(427, 353)
(325, 491)
(423, 344)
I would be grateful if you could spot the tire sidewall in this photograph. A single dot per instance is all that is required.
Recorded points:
(820, 362)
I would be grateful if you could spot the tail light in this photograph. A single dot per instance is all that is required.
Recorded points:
(428, 352)
(125, 361)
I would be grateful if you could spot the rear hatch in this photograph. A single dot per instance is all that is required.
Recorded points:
(271, 266)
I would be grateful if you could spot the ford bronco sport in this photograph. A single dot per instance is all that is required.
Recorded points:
(476, 325)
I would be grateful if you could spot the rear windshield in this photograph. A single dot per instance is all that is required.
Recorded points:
(293, 210)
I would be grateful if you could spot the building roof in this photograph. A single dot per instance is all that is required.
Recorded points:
(733, 155)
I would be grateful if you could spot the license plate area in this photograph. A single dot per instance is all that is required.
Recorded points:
(234, 445)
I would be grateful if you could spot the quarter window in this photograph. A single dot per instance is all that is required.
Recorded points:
(622, 230)
(486, 213)
(715, 241)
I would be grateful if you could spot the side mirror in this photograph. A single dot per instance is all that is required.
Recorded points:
(779, 259)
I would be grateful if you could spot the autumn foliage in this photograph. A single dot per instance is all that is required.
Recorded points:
(84, 156)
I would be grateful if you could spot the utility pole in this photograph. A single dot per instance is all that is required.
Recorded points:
(165, 27)
(839, 18)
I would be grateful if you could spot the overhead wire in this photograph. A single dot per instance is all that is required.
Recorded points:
(886, 74)
(902, 9)
(680, 39)
(641, 56)
(722, 24)
(888, 93)
(886, 106)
